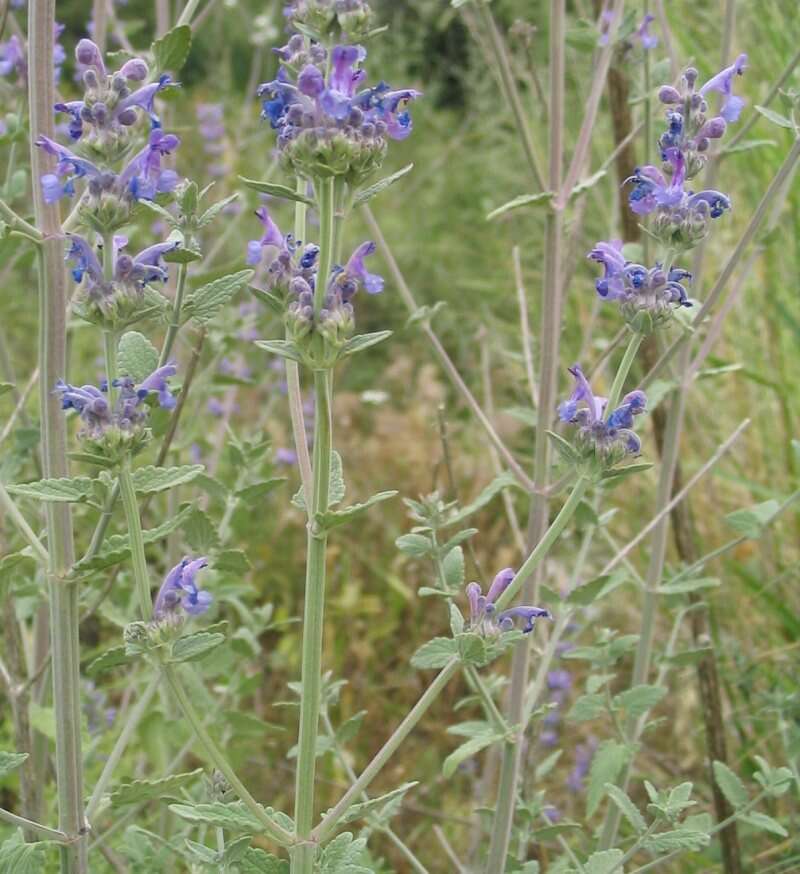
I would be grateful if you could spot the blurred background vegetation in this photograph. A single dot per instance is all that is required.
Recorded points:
(394, 405)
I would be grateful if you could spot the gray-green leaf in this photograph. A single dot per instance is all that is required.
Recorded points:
(60, 490)
(171, 51)
(276, 190)
(205, 302)
(10, 761)
(381, 185)
(606, 766)
(730, 784)
(137, 357)
(435, 653)
(195, 646)
(149, 480)
(146, 790)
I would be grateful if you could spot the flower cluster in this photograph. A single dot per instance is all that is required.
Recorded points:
(179, 591)
(606, 438)
(103, 120)
(110, 425)
(326, 127)
(682, 216)
(322, 16)
(14, 59)
(483, 615)
(646, 297)
(118, 300)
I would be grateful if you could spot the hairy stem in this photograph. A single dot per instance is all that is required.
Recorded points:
(622, 373)
(175, 318)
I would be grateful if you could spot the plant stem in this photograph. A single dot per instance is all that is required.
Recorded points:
(622, 373)
(41, 831)
(110, 356)
(175, 321)
(120, 745)
(326, 204)
(7, 502)
(329, 821)
(188, 12)
(133, 519)
(313, 627)
(52, 366)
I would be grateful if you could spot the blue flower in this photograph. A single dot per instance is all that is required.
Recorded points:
(355, 269)
(647, 39)
(179, 590)
(722, 83)
(483, 616)
(272, 237)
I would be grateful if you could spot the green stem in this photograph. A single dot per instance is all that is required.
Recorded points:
(64, 596)
(544, 545)
(175, 321)
(7, 502)
(329, 821)
(494, 715)
(311, 670)
(622, 372)
(110, 356)
(188, 13)
(41, 831)
(326, 204)
(134, 522)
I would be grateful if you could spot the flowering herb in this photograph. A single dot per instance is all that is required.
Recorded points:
(483, 615)
(179, 591)
(350, 16)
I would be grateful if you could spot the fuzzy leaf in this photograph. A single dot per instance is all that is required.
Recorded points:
(453, 567)
(435, 653)
(764, 823)
(415, 545)
(381, 185)
(111, 658)
(502, 481)
(564, 448)
(146, 790)
(730, 784)
(252, 494)
(205, 302)
(358, 811)
(235, 817)
(276, 190)
(775, 117)
(616, 474)
(587, 707)
(137, 357)
(334, 518)
(606, 766)
(62, 490)
(336, 488)
(595, 589)
(603, 862)
(687, 584)
(267, 297)
(149, 480)
(364, 341)
(171, 51)
(215, 209)
(343, 856)
(10, 761)
(467, 751)
(678, 839)
(17, 857)
(543, 198)
(257, 861)
(589, 182)
(638, 700)
(195, 646)
(751, 521)
(281, 348)
(627, 807)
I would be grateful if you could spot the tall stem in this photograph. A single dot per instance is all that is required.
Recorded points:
(311, 671)
(550, 330)
(134, 522)
(622, 373)
(52, 366)
(326, 203)
(175, 321)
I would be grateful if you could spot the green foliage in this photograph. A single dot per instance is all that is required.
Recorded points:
(17, 857)
(10, 761)
(203, 304)
(171, 50)
(147, 790)
(137, 357)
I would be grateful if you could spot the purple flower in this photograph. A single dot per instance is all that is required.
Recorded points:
(272, 237)
(355, 269)
(483, 613)
(157, 383)
(584, 753)
(647, 39)
(652, 189)
(179, 589)
(722, 83)
(559, 679)
(285, 456)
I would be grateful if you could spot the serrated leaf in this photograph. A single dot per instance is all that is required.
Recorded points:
(61, 490)
(589, 182)
(627, 807)
(215, 209)
(343, 856)
(146, 790)
(137, 357)
(751, 521)
(281, 348)
(606, 766)
(257, 491)
(763, 822)
(171, 51)
(364, 341)
(415, 545)
(336, 488)
(640, 699)
(276, 190)
(456, 620)
(435, 653)
(603, 862)
(195, 646)
(564, 448)
(267, 297)
(774, 117)
(235, 817)
(205, 302)
(595, 589)
(381, 185)
(257, 861)
(587, 707)
(616, 474)
(232, 561)
(677, 839)
(17, 857)
(358, 811)
(502, 481)
(543, 198)
(111, 658)
(334, 518)
(10, 761)
(453, 568)
(732, 787)
(150, 480)
(467, 751)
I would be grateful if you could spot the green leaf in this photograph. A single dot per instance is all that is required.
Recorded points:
(276, 190)
(171, 51)
(549, 832)
(607, 764)
(678, 839)
(435, 653)
(627, 807)
(595, 589)
(257, 861)
(775, 117)
(334, 518)
(603, 862)
(453, 568)
(343, 855)
(205, 302)
(111, 658)
(62, 490)
(17, 857)
(5, 388)
(751, 521)
(748, 145)
(195, 646)
(254, 493)
(364, 341)
(589, 182)
(615, 475)
(541, 199)
(415, 545)
(146, 790)
(502, 481)
(587, 707)
(235, 817)
(467, 751)
(456, 620)
(137, 357)
(680, 586)
(232, 561)
(267, 297)
(358, 811)
(381, 185)
(336, 489)
(149, 480)
(282, 348)
(215, 209)
(640, 699)
(10, 761)
(43, 719)
(730, 784)
(764, 823)
(564, 448)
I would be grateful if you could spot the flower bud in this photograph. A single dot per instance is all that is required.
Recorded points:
(135, 70)
(668, 94)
